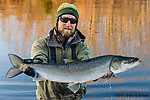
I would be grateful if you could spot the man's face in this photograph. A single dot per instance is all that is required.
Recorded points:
(66, 28)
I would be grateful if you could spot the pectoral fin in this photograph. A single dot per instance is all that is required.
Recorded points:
(14, 71)
(68, 61)
(74, 87)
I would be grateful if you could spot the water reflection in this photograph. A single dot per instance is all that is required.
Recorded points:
(110, 26)
(122, 26)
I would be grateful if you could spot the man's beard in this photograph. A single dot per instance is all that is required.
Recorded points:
(66, 33)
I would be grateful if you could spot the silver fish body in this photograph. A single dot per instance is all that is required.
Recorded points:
(76, 72)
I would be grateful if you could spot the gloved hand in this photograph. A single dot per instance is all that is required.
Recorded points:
(106, 76)
(29, 71)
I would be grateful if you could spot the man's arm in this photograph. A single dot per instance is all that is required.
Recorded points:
(40, 50)
(39, 54)
(29, 71)
(85, 53)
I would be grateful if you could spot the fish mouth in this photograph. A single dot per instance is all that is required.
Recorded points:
(140, 61)
(137, 62)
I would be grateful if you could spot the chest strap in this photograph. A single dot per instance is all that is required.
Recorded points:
(53, 53)
(73, 48)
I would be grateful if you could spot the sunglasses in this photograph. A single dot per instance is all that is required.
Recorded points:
(66, 19)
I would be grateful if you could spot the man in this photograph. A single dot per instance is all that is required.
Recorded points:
(64, 41)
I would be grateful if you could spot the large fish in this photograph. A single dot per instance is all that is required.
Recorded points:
(76, 72)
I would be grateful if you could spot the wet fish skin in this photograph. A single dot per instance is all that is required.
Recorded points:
(76, 72)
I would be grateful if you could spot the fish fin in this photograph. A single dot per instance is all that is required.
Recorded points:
(16, 62)
(38, 79)
(68, 61)
(74, 87)
(96, 80)
(13, 72)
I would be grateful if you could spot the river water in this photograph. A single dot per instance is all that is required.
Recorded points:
(120, 27)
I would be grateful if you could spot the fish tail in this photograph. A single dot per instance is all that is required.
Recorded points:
(16, 62)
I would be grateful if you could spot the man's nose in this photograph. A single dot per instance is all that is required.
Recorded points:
(68, 23)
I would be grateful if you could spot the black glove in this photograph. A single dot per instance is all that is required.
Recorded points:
(29, 71)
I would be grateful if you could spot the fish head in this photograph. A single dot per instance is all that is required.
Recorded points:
(120, 64)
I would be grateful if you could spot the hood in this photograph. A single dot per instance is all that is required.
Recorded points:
(76, 38)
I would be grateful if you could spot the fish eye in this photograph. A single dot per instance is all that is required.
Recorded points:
(129, 61)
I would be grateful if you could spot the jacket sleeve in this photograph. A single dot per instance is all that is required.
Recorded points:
(83, 52)
(40, 50)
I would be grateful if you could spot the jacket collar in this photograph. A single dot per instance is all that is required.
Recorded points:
(55, 42)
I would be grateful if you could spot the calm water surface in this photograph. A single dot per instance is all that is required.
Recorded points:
(120, 27)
